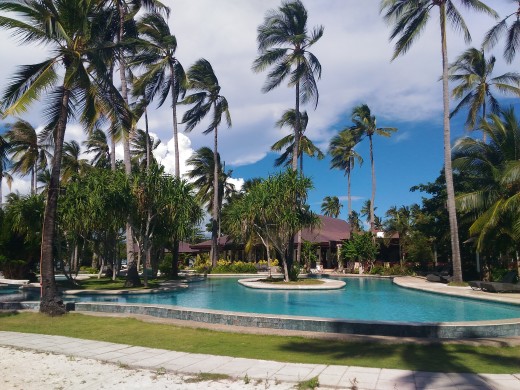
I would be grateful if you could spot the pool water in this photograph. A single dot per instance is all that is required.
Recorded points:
(361, 299)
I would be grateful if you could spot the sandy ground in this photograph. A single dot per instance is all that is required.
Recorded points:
(28, 370)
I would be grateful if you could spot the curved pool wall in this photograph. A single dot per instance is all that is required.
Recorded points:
(457, 330)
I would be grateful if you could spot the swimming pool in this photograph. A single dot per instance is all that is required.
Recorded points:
(363, 299)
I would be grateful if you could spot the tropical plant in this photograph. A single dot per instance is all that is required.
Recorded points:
(512, 32)
(164, 74)
(267, 211)
(365, 125)
(306, 145)
(344, 157)
(360, 247)
(409, 18)
(97, 144)
(67, 28)
(331, 206)
(205, 98)
(283, 44)
(4, 164)
(399, 220)
(27, 153)
(72, 164)
(202, 172)
(141, 148)
(494, 170)
(472, 71)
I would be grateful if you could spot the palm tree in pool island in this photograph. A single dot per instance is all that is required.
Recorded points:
(283, 44)
(408, 19)
(365, 125)
(205, 98)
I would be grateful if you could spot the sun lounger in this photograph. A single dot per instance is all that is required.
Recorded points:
(498, 287)
(509, 277)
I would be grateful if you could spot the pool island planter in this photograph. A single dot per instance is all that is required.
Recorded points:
(257, 283)
(441, 330)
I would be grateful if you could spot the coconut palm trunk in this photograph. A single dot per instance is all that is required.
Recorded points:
(50, 303)
(175, 128)
(452, 213)
(215, 213)
(373, 196)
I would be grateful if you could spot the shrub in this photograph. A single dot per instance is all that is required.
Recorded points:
(202, 263)
(88, 270)
(238, 267)
(377, 270)
(294, 272)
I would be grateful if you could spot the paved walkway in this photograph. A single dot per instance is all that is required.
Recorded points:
(342, 377)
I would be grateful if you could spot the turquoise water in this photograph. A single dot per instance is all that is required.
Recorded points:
(361, 299)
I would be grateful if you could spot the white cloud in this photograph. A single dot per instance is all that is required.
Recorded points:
(165, 154)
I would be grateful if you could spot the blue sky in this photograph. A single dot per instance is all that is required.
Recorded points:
(355, 55)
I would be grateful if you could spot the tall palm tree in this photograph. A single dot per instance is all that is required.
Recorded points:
(97, 144)
(66, 28)
(164, 74)
(365, 125)
(306, 145)
(399, 220)
(344, 157)
(4, 164)
(409, 17)
(494, 170)
(26, 154)
(331, 206)
(206, 97)
(283, 44)
(511, 32)
(472, 71)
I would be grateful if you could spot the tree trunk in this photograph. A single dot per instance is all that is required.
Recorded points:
(50, 302)
(215, 213)
(349, 198)
(373, 196)
(297, 130)
(148, 147)
(452, 213)
(175, 259)
(33, 189)
(175, 129)
(126, 136)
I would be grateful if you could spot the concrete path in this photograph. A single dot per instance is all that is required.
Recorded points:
(340, 377)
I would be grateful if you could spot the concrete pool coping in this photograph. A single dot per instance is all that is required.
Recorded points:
(327, 285)
(432, 330)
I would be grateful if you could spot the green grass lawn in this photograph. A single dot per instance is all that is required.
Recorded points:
(435, 357)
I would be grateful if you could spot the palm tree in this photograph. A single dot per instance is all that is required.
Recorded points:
(206, 97)
(66, 27)
(26, 154)
(72, 164)
(366, 210)
(344, 157)
(409, 17)
(365, 125)
(472, 71)
(97, 143)
(399, 221)
(494, 170)
(202, 172)
(331, 206)
(4, 163)
(306, 145)
(512, 32)
(283, 43)
(164, 73)
(140, 148)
